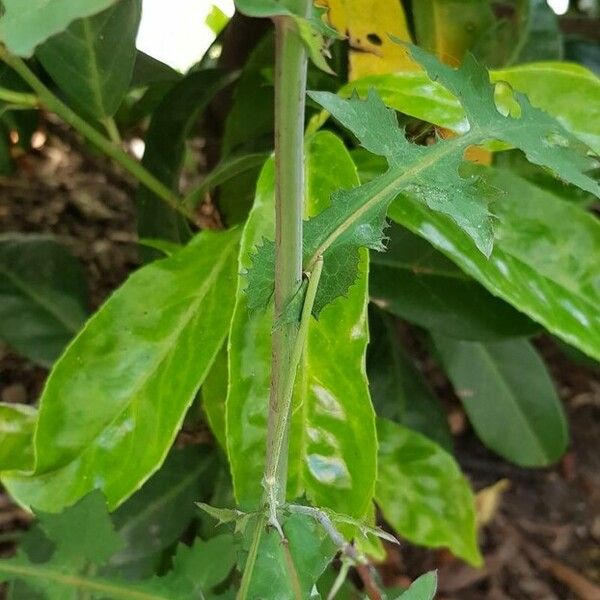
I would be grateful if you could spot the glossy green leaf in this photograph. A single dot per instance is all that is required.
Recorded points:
(172, 122)
(92, 61)
(156, 516)
(23, 28)
(434, 174)
(509, 397)
(43, 296)
(416, 282)
(17, 423)
(543, 261)
(332, 455)
(422, 493)
(398, 388)
(423, 588)
(567, 91)
(139, 361)
(310, 550)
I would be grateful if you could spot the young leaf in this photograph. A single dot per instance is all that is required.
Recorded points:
(139, 362)
(356, 217)
(92, 61)
(22, 29)
(509, 397)
(17, 423)
(331, 399)
(422, 493)
(43, 296)
(165, 149)
(543, 261)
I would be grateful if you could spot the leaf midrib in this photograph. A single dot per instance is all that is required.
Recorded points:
(395, 186)
(512, 397)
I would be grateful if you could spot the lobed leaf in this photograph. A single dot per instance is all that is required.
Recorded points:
(139, 362)
(433, 175)
(567, 91)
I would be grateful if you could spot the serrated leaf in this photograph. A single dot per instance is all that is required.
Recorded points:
(22, 29)
(79, 542)
(92, 61)
(139, 361)
(17, 424)
(509, 397)
(432, 174)
(422, 493)
(569, 92)
(330, 399)
(43, 296)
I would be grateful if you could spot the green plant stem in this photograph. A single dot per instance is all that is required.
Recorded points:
(277, 448)
(51, 102)
(290, 92)
(19, 98)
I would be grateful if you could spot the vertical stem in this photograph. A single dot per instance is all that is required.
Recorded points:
(290, 91)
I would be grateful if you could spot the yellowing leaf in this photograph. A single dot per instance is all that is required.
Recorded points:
(487, 501)
(368, 25)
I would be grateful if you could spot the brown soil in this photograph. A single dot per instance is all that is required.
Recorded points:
(543, 542)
